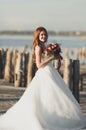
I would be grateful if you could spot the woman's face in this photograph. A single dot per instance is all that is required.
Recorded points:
(43, 36)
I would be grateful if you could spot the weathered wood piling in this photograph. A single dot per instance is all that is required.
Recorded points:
(7, 69)
(67, 72)
(71, 75)
(76, 77)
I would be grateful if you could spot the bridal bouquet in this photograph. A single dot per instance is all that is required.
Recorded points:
(54, 50)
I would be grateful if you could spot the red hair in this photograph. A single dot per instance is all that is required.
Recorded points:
(36, 40)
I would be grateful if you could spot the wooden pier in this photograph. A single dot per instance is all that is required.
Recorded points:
(9, 95)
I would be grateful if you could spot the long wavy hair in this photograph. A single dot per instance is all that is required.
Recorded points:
(36, 40)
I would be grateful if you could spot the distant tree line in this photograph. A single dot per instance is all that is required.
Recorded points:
(53, 33)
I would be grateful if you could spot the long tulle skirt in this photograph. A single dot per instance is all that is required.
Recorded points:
(47, 104)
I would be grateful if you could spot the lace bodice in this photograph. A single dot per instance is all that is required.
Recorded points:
(44, 55)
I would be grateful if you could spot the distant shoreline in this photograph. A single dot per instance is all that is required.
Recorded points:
(26, 35)
(51, 33)
(83, 37)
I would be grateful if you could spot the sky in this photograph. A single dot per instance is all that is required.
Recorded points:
(57, 15)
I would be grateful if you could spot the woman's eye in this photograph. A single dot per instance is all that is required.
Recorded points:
(43, 34)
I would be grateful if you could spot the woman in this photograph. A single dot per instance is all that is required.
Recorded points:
(47, 103)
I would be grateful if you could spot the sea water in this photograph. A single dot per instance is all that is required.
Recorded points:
(19, 42)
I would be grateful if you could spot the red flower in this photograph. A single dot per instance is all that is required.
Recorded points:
(55, 50)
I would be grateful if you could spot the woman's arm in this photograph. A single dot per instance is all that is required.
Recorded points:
(39, 62)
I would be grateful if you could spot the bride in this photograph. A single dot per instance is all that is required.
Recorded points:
(47, 104)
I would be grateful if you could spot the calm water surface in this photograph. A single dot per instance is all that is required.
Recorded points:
(19, 42)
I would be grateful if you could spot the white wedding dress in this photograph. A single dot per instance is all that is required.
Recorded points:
(47, 104)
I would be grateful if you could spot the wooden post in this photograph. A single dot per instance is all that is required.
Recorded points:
(80, 53)
(17, 72)
(77, 53)
(81, 84)
(83, 53)
(67, 52)
(22, 69)
(31, 69)
(4, 53)
(1, 65)
(71, 52)
(26, 69)
(24, 62)
(7, 74)
(29, 75)
(67, 72)
(76, 77)
(12, 67)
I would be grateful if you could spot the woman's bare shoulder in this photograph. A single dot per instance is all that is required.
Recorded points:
(37, 48)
